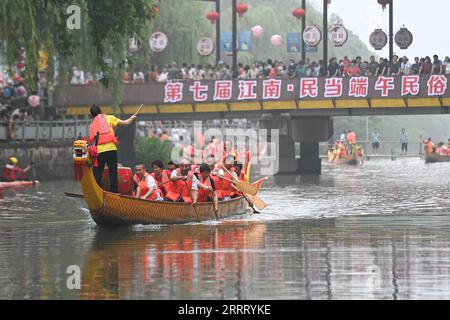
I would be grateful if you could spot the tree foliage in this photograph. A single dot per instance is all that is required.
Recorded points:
(32, 25)
(151, 149)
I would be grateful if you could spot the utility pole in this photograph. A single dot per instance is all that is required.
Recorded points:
(391, 30)
(218, 33)
(303, 30)
(234, 39)
(325, 33)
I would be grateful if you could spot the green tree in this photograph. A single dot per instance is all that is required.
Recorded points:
(31, 25)
(151, 149)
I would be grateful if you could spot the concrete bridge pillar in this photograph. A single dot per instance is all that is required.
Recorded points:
(309, 131)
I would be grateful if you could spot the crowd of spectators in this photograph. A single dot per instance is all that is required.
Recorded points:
(344, 67)
(13, 98)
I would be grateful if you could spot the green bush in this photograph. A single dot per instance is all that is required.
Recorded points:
(151, 149)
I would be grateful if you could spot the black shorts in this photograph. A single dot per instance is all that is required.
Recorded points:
(375, 145)
(405, 146)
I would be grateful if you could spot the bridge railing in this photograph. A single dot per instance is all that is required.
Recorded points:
(368, 91)
(43, 131)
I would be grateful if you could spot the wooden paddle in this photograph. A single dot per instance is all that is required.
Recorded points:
(195, 209)
(33, 171)
(74, 195)
(213, 199)
(257, 201)
(243, 186)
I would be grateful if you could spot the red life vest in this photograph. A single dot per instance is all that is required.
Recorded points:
(178, 189)
(218, 184)
(227, 189)
(100, 124)
(143, 184)
(162, 178)
(13, 173)
(204, 195)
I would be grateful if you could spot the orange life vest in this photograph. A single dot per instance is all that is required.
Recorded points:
(227, 189)
(162, 178)
(429, 147)
(218, 185)
(142, 183)
(100, 124)
(178, 189)
(204, 195)
(351, 138)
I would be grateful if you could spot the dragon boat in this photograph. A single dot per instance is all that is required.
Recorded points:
(111, 209)
(434, 158)
(355, 159)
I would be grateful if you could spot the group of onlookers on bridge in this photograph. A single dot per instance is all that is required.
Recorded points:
(344, 67)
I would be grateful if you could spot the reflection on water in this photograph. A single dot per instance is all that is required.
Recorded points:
(377, 232)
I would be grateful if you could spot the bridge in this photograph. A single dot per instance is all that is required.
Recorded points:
(301, 108)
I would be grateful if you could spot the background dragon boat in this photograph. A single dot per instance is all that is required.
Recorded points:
(356, 158)
(110, 209)
(433, 158)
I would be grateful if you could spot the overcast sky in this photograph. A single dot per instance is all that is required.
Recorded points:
(427, 20)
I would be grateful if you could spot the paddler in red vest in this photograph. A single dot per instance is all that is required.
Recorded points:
(107, 144)
(429, 147)
(147, 189)
(227, 189)
(160, 176)
(207, 193)
(351, 138)
(215, 171)
(12, 172)
(184, 185)
(170, 167)
(237, 168)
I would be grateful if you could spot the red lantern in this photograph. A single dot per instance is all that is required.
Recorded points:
(213, 16)
(298, 13)
(384, 3)
(241, 8)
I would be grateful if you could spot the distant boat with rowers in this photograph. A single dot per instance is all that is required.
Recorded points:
(339, 155)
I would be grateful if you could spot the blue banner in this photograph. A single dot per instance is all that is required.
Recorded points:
(294, 42)
(226, 39)
(245, 42)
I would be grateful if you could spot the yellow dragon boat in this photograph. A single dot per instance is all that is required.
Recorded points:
(111, 209)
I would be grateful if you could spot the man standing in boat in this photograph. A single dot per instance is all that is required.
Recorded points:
(107, 144)
(12, 172)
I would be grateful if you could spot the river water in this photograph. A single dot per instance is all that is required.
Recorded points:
(381, 231)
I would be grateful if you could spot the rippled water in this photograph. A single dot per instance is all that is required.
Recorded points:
(377, 232)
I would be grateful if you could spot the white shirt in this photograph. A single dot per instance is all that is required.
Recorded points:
(162, 77)
(406, 68)
(152, 185)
